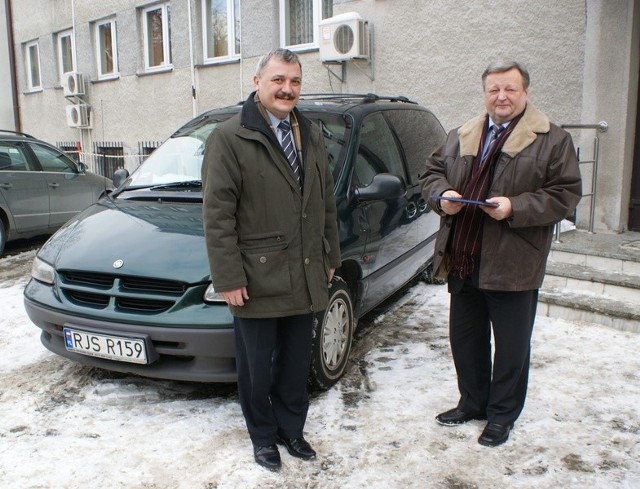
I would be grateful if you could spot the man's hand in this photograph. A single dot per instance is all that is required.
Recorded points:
(503, 211)
(235, 297)
(449, 207)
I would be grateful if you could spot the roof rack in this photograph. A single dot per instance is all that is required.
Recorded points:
(17, 133)
(365, 97)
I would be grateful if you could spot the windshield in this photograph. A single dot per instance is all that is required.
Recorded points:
(179, 158)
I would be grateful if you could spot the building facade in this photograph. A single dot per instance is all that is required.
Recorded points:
(130, 71)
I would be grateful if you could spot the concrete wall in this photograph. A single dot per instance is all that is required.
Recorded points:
(582, 55)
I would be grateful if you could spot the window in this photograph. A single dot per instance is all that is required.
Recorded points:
(66, 48)
(221, 28)
(12, 159)
(420, 134)
(157, 36)
(299, 21)
(33, 66)
(106, 48)
(377, 152)
(52, 160)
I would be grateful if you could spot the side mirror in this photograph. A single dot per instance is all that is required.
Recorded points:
(82, 168)
(383, 186)
(119, 177)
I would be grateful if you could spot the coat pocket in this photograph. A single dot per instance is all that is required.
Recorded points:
(265, 259)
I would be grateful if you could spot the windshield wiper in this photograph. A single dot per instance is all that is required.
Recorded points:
(186, 184)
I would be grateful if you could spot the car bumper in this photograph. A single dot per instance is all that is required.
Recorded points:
(199, 354)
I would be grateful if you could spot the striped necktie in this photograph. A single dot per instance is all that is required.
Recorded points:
(495, 133)
(290, 150)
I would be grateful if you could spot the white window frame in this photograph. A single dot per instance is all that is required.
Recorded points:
(231, 33)
(68, 34)
(317, 16)
(33, 87)
(102, 74)
(166, 40)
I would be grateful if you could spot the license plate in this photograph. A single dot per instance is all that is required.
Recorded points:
(105, 346)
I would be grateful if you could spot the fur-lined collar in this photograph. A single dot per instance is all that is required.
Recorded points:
(533, 122)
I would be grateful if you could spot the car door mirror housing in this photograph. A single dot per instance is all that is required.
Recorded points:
(383, 186)
(119, 177)
(82, 168)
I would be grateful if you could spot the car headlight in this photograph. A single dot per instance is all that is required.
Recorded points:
(42, 271)
(212, 297)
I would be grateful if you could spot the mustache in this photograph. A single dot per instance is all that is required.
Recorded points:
(285, 95)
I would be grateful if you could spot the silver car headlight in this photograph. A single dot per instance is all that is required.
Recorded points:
(42, 271)
(212, 297)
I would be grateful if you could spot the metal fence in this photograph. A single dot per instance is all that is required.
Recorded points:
(108, 156)
(601, 126)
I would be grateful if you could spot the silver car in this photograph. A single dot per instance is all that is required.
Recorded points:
(41, 188)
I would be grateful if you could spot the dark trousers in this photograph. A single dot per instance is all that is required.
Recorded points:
(498, 387)
(272, 359)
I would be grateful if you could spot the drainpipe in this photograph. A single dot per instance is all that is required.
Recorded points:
(194, 101)
(12, 66)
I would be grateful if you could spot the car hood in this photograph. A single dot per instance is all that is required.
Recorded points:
(154, 239)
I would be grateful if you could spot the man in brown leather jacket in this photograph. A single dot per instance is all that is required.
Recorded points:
(500, 182)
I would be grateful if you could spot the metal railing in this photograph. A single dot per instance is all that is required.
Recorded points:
(601, 126)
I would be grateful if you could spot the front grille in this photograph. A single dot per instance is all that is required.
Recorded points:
(148, 285)
(100, 280)
(96, 301)
(142, 305)
(138, 295)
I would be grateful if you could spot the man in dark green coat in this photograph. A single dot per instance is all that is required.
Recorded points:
(272, 240)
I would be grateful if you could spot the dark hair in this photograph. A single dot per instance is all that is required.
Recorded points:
(502, 65)
(279, 54)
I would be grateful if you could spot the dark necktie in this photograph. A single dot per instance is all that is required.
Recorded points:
(495, 132)
(290, 150)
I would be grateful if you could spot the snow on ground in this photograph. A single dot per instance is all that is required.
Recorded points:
(64, 425)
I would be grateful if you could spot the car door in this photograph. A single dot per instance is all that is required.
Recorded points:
(420, 134)
(390, 235)
(69, 191)
(23, 189)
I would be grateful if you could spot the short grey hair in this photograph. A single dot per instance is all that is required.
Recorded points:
(280, 54)
(502, 65)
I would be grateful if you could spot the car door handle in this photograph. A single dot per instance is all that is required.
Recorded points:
(53, 184)
(6, 185)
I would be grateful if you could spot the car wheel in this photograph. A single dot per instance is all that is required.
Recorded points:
(332, 336)
(3, 237)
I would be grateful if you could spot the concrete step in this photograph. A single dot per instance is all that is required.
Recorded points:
(594, 279)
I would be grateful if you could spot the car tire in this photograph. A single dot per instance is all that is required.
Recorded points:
(3, 237)
(332, 337)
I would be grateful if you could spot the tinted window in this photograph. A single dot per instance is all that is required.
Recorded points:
(420, 134)
(377, 151)
(52, 160)
(12, 158)
(334, 130)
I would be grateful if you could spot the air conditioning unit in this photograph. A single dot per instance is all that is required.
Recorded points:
(78, 115)
(73, 84)
(344, 37)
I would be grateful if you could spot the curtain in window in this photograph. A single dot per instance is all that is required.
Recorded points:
(155, 39)
(300, 21)
(106, 48)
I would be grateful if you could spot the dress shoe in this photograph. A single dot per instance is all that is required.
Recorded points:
(268, 456)
(298, 447)
(495, 434)
(456, 416)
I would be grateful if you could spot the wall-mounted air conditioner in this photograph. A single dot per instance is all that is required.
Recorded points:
(78, 115)
(344, 37)
(73, 84)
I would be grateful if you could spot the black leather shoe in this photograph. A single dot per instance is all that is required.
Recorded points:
(268, 456)
(494, 434)
(298, 447)
(455, 417)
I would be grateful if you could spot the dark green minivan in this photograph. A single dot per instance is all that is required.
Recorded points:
(125, 285)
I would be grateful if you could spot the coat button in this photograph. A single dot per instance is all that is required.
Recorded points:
(440, 253)
(263, 259)
(306, 261)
